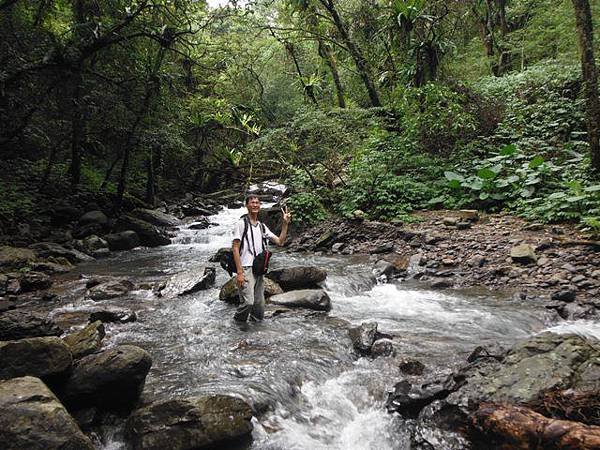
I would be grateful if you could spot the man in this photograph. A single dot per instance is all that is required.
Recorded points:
(251, 287)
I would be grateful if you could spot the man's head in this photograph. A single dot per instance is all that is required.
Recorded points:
(252, 204)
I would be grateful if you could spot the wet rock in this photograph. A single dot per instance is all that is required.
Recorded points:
(201, 224)
(325, 240)
(229, 291)
(442, 283)
(523, 254)
(471, 215)
(221, 254)
(316, 299)
(39, 357)
(388, 247)
(7, 305)
(113, 315)
(112, 379)
(87, 340)
(34, 281)
(20, 324)
(544, 362)
(125, 240)
(575, 311)
(299, 277)
(463, 225)
(209, 422)
(92, 245)
(409, 399)
(149, 235)
(564, 295)
(338, 247)
(188, 282)
(32, 418)
(155, 217)
(51, 268)
(477, 261)
(363, 337)
(94, 217)
(411, 367)
(109, 289)
(15, 257)
(88, 230)
(54, 250)
(383, 267)
(382, 347)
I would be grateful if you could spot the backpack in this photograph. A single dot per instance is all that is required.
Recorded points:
(260, 264)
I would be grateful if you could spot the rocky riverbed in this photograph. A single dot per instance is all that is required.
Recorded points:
(105, 351)
(554, 264)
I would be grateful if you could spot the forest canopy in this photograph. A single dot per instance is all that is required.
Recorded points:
(378, 106)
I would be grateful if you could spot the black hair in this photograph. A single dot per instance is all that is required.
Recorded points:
(250, 197)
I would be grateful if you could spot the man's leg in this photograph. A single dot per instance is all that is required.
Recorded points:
(258, 308)
(246, 296)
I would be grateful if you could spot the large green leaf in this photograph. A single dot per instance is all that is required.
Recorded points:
(508, 150)
(486, 174)
(536, 162)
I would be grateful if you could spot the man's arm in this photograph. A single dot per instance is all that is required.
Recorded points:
(238, 262)
(287, 218)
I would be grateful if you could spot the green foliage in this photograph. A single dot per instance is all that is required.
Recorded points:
(306, 208)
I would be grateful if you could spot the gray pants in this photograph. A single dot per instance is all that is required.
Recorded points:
(252, 297)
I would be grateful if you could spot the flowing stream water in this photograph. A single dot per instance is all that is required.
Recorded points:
(297, 369)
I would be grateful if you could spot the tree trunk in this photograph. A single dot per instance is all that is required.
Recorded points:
(150, 181)
(77, 130)
(355, 52)
(109, 172)
(583, 16)
(308, 90)
(325, 53)
(520, 428)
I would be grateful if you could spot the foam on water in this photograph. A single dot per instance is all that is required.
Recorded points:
(587, 328)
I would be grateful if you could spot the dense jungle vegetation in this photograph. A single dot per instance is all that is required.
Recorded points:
(378, 106)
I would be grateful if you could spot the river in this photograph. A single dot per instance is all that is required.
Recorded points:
(297, 369)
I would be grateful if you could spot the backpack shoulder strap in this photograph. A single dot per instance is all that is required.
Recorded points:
(244, 234)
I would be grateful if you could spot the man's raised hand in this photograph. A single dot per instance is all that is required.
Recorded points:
(287, 216)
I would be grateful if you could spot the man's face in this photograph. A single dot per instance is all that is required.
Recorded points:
(253, 205)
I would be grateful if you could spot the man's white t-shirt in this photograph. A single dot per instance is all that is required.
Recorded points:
(254, 231)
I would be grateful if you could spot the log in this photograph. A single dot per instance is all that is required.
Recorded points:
(520, 428)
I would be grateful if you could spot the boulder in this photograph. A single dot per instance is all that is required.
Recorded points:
(409, 399)
(316, 299)
(156, 217)
(53, 250)
(221, 255)
(149, 235)
(92, 245)
(112, 379)
(90, 229)
(32, 418)
(229, 291)
(363, 337)
(39, 357)
(117, 315)
(325, 240)
(523, 254)
(125, 240)
(471, 215)
(34, 281)
(20, 324)
(299, 277)
(109, 289)
(15, 257)
(201, 224)
(387, 247)
(383, 268)
(52, 268)
(208, 422)
(63, 215)
(382, 347)
(188, 282)
(94, 217)
(87, 340)
(542, 363)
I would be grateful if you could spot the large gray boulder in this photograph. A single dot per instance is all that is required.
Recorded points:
(125, 240)
(188, 282)
(198, 423)
(93, 217)
(363, 336)
(32, 418)
(20, 324)
(229, 292)
(156, 217)
(523, 253)
(316, 299)
(109, 289)
(544, 362)
(87, 340)
(54, 250)
(112, 379)
(15, 257)
(299, 277)
(39, 357)
(150, 235)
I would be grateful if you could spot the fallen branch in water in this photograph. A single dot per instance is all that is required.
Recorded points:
(521, 428)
